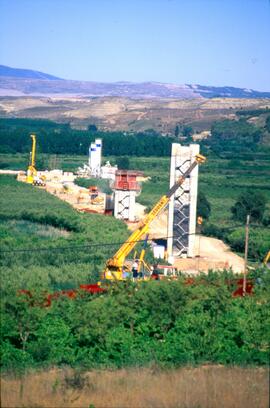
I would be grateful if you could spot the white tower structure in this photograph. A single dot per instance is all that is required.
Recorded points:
(98, 156)
(95, 151)
(183, 204)
(92, 158)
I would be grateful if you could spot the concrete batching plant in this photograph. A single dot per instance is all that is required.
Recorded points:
(95, 151)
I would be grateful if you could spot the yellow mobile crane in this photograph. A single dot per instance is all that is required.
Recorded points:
(116, 267)
(32, 177)
(31, 171)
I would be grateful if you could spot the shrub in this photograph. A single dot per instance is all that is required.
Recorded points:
(251, 203)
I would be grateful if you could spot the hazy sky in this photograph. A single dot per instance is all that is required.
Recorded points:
(208, 42)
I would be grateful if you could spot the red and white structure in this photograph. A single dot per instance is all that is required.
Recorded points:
(126, 188)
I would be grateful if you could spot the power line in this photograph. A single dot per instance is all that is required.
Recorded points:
(75, 247)
(109, 244)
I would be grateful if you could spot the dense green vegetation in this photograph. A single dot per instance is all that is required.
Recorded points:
(237, 136)
(252, 112)
(54, 138)
(249, 203)
(166, 323)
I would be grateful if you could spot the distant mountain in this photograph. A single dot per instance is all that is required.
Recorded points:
(24, 73)
(20, 82)
(228, 92)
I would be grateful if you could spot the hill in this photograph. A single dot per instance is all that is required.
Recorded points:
(24, 73)
(14, 81)
(127, 114)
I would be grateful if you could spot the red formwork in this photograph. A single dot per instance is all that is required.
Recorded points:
(47, 298)
(236, 286)
(127, 180)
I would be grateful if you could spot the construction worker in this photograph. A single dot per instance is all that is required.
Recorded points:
(134, 269)
(154, 274)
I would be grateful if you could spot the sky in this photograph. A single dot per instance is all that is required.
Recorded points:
(207, 42)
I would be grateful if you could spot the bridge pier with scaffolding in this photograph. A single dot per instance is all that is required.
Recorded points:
(183, 204)
(126, 189)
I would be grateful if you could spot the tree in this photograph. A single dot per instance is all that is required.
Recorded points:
(234, 135)
(203, 206)
(188, 131)
(250, 202)
(123, 163)
(92, 128)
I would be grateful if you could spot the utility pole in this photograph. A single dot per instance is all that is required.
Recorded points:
(246, 256)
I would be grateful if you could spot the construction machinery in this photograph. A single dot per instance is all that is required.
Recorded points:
(95, 198)
(116, 267)
(31, 171)
(32, 177)
(266, 259)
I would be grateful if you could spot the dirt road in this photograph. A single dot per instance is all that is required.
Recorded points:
(210, 253)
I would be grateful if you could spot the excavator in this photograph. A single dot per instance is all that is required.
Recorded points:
(117, 267)
(32, 177)
(95, 198)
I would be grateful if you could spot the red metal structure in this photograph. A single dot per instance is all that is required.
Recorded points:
(127, 180)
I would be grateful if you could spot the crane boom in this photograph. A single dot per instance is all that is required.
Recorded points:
(33, 152)
(31, 171)
(115, 265)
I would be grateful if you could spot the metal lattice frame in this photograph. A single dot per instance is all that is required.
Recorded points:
(124, 207)
(181, 213)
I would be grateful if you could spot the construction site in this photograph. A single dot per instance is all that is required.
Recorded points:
(172, 232)
(106, 281)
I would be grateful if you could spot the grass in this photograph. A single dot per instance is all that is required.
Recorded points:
(31, 219)
(189, 387)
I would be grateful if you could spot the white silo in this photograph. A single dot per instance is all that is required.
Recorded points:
(93, 158)
(98, 143)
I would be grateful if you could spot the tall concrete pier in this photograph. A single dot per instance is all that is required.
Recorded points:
(125, 189)
(183, 205)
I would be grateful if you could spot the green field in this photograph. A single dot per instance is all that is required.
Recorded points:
(45, 237)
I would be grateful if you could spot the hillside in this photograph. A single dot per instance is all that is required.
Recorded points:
(127, 114)
(24, 73)
(14, 81)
